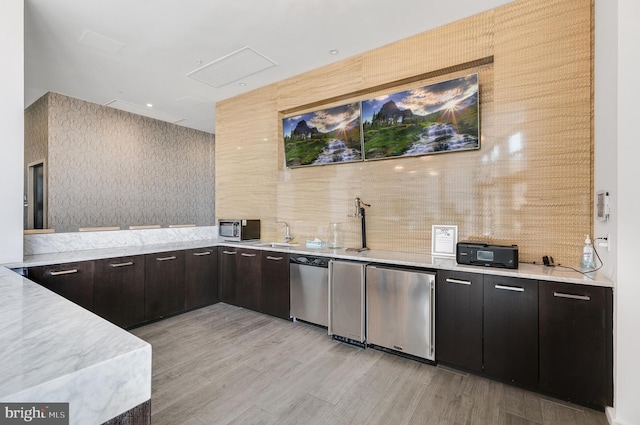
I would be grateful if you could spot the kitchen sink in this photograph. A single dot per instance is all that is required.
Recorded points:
(276, 244)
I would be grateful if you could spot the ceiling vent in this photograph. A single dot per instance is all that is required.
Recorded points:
(233, 67)
(101, 42)
(144, 111)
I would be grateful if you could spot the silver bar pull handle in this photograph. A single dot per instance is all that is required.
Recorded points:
(173, 257)
(458, 281)
(432, 303)
(229, 252)
(572, 297)
(63, 272)
(128, 263)
(244, 254)
(510, 288)
(274, 258)
(197, 254)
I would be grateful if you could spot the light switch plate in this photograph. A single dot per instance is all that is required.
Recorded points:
(602, 205)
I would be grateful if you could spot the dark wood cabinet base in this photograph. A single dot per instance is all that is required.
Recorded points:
(139, 415)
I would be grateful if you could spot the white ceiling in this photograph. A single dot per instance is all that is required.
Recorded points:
(140, 51)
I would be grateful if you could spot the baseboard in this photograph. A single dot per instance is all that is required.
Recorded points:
(611, 417)
(611, 414)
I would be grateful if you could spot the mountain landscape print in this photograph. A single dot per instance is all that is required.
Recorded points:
(441, 117)
(322, 137)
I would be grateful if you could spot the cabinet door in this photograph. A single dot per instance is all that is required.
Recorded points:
(511, 329)
(459, 319)
(275, 284)
(227, 274)
(119, 290)
(201, 277)
(164, 284)
(73, 281)
(576, 342)
(248, 279)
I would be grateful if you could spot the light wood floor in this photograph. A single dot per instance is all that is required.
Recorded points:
(227, 365)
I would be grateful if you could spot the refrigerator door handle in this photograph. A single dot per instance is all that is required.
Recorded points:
(433, 317)
(330, 298)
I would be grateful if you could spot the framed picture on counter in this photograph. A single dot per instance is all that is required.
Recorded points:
(443, 240)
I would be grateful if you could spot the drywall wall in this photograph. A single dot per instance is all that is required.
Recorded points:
(627, 290)
(11, 129)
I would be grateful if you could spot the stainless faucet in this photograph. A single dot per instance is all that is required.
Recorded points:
(287, 234)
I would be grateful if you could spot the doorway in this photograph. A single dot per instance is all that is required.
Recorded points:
(36, 196)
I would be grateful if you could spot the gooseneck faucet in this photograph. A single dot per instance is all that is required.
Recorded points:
(361, 214)
(287, 233)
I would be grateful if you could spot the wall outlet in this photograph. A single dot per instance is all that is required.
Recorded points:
(606, 243)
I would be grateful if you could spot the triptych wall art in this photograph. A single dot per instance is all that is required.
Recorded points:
(437, 118)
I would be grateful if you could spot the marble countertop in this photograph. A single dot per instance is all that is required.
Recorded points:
(52, 350)
(527, 271)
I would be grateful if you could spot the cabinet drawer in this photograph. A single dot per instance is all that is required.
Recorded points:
(73, 281)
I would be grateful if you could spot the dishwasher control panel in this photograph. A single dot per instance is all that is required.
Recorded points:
(309, 261)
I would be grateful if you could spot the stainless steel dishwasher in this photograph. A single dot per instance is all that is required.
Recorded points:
(400, 310)
(309, 281)
(346, 301)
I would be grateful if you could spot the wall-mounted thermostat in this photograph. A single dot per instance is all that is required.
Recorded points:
(602, 205)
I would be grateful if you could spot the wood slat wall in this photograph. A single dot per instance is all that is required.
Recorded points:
(530, 183)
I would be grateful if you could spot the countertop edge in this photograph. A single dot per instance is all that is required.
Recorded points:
(525, 270)
(101, 373)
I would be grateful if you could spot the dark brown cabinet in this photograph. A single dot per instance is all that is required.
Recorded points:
(459, 319)
(274, 298)
(164, 284)
(227, 274)
(73, 281)
(511, 329)
(248, 279)
(254, 279)
(119, 290)
(201, 277)
(576, 342)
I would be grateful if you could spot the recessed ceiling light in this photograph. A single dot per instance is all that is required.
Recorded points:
(149, 105)
(334, 51)
(241, 84)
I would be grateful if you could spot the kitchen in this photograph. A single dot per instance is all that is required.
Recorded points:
(276, 192)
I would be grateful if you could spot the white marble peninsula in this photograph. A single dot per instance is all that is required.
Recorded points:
(52, 350)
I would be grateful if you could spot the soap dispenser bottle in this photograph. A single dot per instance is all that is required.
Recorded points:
(587, 254)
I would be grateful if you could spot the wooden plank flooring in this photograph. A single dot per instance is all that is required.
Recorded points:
(226, 365)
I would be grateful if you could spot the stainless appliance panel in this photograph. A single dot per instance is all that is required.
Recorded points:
(346, 300)
(309, 293)
(400, 313)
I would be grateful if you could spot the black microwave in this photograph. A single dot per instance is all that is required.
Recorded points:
(239, 230)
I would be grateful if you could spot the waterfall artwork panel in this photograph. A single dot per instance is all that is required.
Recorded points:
(437, 118)
(326, 136)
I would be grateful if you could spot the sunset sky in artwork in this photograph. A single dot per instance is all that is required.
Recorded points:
(427, 99)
